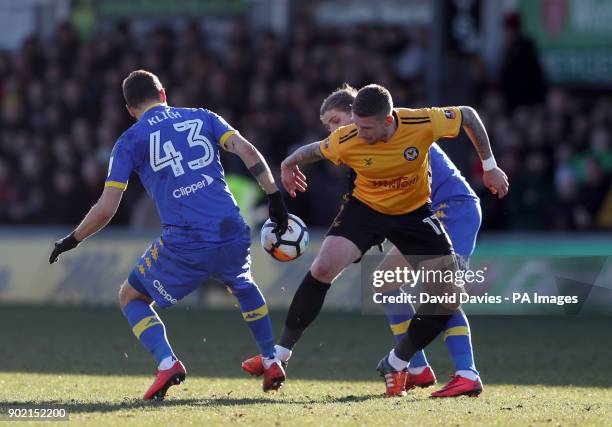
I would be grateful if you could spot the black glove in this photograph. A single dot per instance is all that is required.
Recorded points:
(278, 213)
(63, 245)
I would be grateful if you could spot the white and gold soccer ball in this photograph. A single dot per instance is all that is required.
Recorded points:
(290, 245)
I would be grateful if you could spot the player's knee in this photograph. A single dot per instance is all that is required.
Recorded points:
(127, 294)
(324, 270)
(246, 288)
(123, 301)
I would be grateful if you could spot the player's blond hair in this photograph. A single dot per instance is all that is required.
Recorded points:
(340, 99)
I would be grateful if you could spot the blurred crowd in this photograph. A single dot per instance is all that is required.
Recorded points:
(61, 110)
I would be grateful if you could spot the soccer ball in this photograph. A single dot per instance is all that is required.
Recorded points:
(290, 245)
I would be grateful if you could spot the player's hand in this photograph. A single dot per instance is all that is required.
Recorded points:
(278, 212)
(63, 245)
(293, 179)
(496, 181)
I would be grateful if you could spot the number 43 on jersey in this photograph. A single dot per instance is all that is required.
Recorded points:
(173, 157)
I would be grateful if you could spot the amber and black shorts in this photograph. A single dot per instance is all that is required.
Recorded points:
(415, 233)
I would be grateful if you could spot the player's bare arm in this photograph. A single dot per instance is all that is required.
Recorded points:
(96, 219)
(253, 160)
(292, 177)
(258, 167)
(100, 214)
(308, 153)
(493, 177)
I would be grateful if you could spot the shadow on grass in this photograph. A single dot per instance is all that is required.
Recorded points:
(517, 350)
(135, 404)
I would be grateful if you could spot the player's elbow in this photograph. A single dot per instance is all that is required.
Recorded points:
(248, 153)
(242, 148)
(468, 114)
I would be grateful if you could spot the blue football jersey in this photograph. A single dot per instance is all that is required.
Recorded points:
(446, 180)
(175, 152)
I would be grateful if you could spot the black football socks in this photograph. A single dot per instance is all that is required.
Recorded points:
(305, 307)
(429, 321)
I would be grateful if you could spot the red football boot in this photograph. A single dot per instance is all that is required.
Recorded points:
(164, 380)
(425, 379)
(274, 377)
(460, 386)
(254, 366)
(395, 381)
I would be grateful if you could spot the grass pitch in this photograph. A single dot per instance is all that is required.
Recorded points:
(536, 371)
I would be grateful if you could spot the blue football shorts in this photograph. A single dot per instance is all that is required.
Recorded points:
(461, 219)
(167, 272)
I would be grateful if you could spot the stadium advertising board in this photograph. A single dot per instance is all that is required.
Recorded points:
(92, 275)
(574, 38)
(162, 8)
(386, 12)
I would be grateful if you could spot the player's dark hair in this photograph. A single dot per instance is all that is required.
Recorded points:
(340, 99)
(141, 86)
(373, 100)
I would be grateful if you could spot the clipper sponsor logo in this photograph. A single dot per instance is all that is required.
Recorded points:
(400, 182)
(163, 292)
(189, 190)
(449, 114)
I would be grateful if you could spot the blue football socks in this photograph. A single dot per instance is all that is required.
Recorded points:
(148, 328)
(459, 343)
(255, 313)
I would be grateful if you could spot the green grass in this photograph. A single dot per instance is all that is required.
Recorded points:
(536, 370)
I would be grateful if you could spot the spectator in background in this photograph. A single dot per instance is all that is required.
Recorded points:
(521, 77)
(532, 195)
(569, 214)
(59, 103)
(8, 192)
(595, 187)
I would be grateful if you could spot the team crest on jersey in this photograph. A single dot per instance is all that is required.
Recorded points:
(411, 153)
(449, 114)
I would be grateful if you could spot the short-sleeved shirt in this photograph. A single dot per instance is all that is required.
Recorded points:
(392, 177)
(175, 152)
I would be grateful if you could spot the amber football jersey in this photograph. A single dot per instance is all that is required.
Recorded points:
(392, 176)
